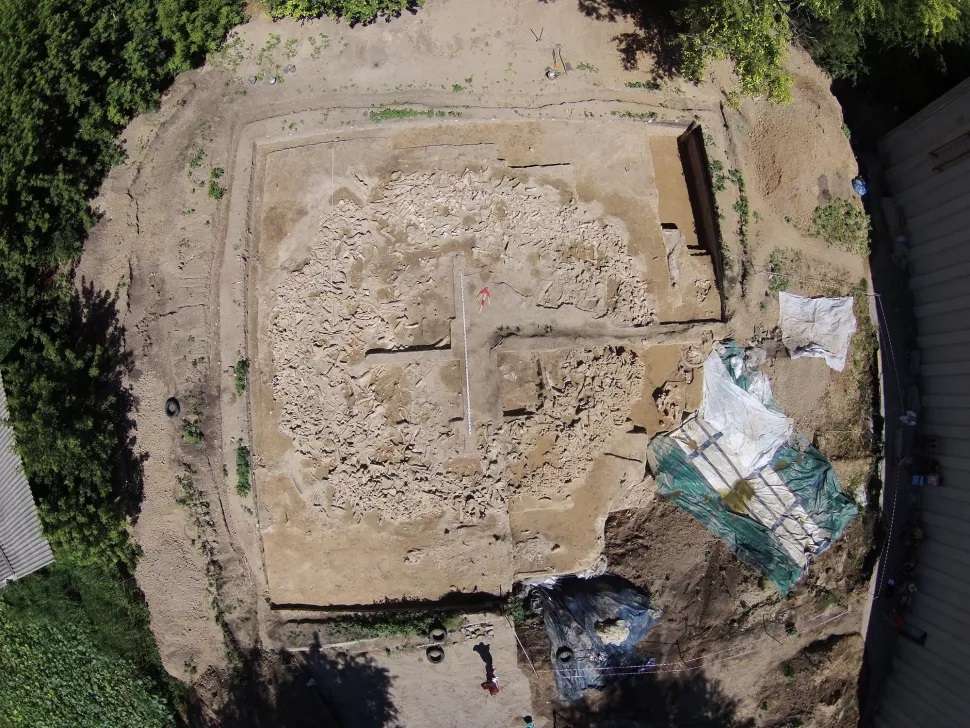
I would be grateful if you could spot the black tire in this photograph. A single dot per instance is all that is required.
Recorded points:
(564, 654)
(435, 654)
(172, 407)
(437, 633)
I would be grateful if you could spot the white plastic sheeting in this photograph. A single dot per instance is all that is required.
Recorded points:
(738, 467)
(820, 327)
(751, 429)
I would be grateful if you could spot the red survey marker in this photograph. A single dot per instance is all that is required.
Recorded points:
(483, 298)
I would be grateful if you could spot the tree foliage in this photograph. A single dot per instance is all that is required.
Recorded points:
(76, 651)
(68, 406)
(353, 11)
(755, 34)
(75, 71)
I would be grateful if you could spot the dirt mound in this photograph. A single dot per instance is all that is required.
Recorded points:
(799, 151)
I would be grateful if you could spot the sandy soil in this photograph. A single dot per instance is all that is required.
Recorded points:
(451, 342)
(400, 449)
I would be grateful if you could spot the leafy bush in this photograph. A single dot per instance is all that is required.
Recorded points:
(354, 11)
(76, 651)
(843, 225)
(244, 479)
(68, 407)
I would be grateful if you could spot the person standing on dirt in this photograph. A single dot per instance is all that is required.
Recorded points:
(491, 679)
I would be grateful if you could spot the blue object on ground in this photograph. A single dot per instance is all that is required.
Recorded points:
(594, 626)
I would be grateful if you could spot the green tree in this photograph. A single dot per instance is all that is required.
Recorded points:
(755, 34)
(353, 11)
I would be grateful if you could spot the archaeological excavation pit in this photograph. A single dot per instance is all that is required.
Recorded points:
(463, 334)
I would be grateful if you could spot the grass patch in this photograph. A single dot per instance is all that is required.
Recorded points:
(787, 269)
(388, 113)
(646, 85)
(849, 430)
(391, 624)
(647, 116)
(244, 470)
(457, 88)
(588, 67)
(241, 375)
(216, 190)
(842, 225)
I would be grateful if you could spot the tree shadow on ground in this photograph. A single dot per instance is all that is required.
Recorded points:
(312, 689)
(655, 701)
(94, 316)
(655, 34)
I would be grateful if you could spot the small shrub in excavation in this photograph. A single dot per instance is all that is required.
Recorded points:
(241, 371)
(192, 432)
(244, 482)
(216, 190)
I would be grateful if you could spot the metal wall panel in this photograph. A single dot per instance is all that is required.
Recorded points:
(930, 684)
(23, 548)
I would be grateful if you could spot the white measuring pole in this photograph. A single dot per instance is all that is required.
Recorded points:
(464, 339)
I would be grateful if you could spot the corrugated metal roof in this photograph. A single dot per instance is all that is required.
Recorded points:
(928, 170)
(23, 548)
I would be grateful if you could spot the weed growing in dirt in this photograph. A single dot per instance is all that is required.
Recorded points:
(516, 609)
(232, 53)
(781, 263)
(647, 116)
(842, 225)
(788, 670)
(265, 53)
(391, 624)
(743, 208)
(457, 88)
(646, 85)
(197, 159)
(244, 481)
(192, 432)
(588, 67)
(289, 48)
(850, 432)
(718, 179)
(216, 190)
(318, 44)
(241, 372)
(787, 268)
(387, 113)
